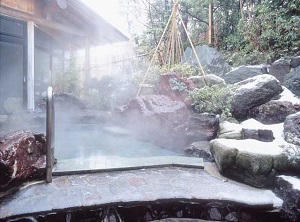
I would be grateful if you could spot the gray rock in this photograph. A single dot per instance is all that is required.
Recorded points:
(291, 128)
(211, 60)
(295, 62)
(66, 102)
(232, 216)
(253, 92)
(157, 119)
(202, 127)
(224, 155)
(215, 214)
(126, 92)
(280, 68)
(272, 112)
(292, 81)
(254, 168)
(254, 164)
(286, 164)
(230, 130)
(200, 149)
(244, 72)
(290, 194)
(209, 79)
(258, 134)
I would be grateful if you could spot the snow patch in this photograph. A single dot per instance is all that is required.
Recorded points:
(253, 146)
(292, 180)
(276, 128)
(287, 95)
(256, 80)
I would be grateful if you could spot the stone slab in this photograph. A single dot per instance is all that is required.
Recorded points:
(129, 187)
(113, 163)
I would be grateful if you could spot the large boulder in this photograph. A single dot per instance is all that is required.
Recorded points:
(202, 127)
(292, 81)
(295, 62)
(255, 162)
(67, 102)
(247, 161)
(253, 92)
(288, 189)
(244, 72)
(272, 112)
(280, 68)
(64, 102)
(211, 60)
(123, 93)
(22, 156)
(157, 119)
(292, 129)
(207, 80)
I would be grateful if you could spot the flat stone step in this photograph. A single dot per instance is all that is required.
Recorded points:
(124, 188)
(114, 163)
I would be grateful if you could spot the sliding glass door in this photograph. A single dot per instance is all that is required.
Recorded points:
(13, 51)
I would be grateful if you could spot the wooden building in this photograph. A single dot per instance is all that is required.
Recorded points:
(34, 38)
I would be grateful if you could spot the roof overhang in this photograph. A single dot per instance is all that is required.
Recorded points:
(71, 22)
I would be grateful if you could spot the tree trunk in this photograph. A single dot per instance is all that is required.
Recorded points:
(211, 25)
(241, 8)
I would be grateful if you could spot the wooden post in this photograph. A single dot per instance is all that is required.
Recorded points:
(30, 65)
(210, 25)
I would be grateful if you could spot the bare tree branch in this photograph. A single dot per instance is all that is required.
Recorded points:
(193, 16)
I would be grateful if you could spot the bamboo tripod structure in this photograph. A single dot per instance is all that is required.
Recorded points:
(174, 48)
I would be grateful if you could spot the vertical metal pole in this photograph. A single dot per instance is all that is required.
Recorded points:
(50, 135)
(30, 66)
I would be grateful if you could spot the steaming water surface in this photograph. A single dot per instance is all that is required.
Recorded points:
(85, 141)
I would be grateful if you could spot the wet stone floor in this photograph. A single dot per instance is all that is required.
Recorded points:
(154, 193)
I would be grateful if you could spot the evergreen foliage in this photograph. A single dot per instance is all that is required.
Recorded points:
(68, 81)
(255, 32)
(215, 99)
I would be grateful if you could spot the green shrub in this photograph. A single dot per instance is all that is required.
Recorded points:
(177, 85)
(182, 69)
(215, 99)
(68, 81)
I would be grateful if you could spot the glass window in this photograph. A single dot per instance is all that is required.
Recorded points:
(41, 73)
(11, 77)
(11, 27)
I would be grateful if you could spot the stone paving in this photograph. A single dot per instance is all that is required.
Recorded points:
(133, 186)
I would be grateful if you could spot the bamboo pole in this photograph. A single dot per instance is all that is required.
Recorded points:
(157, 47)
(192, 47)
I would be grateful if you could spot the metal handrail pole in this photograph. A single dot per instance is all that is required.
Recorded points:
(49, 134)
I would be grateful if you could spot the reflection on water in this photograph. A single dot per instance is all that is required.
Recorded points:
(88, 140)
